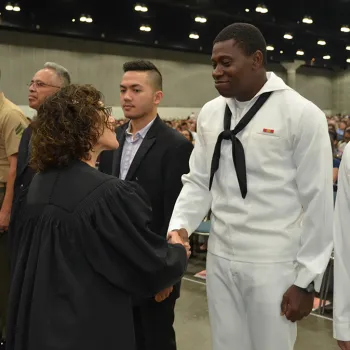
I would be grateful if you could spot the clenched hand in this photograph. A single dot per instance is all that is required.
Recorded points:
(296, 304)
(175, 238)
(164, 294)
(4, 221)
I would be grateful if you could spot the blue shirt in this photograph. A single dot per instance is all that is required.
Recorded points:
(131, 146)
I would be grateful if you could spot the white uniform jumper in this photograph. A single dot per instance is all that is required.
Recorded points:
(341, 311)
(280, 234)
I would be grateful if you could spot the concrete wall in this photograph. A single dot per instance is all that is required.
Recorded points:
(187, 77)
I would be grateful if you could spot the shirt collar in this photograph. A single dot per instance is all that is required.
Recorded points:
(273, 83)
(141, 133)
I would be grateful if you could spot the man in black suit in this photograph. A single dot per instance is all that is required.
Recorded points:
(156, 157)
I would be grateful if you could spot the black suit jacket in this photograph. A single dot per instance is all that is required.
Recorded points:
(24, 177)
(159, 163)
(24, 174)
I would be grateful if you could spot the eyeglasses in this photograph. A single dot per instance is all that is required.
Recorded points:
(39, 84)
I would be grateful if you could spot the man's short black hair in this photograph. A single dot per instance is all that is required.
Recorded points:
(146, 66)
(247, 36)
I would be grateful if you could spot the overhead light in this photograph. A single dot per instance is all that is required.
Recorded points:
(300, 53)
(261, 9)
(308, 20)
(9, 7)
(288, 36)
(194, 36)
(327, 57)
(348, 48)
(247, 10)
(84, 18)
(200, 19)
(345, 29)
(145, 28)
(73, 20)
(281, 52)
(269, 48)
(141, 8)
(348, 60)
(321, 42)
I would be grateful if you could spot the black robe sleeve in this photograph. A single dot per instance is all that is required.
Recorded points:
(121, 247)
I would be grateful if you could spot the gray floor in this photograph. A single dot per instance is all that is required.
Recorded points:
(193, 332)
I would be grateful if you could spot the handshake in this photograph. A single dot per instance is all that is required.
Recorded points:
(180, 237)
(174, 237)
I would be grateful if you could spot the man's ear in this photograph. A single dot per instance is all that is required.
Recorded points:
(158, 96)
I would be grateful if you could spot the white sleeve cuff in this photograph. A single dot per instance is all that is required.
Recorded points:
(341, 331)
(305, 277)
(176, 225)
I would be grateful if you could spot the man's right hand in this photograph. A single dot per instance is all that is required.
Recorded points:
(344, 345)
(174, 237)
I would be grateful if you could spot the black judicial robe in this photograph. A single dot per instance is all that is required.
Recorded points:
(84, 250)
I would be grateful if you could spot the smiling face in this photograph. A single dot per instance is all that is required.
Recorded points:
(235, 72)
(138, 95)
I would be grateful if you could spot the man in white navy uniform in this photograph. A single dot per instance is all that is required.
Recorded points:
(341, 311)
(262, 162)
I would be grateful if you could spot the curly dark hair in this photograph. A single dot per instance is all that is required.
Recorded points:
(68, 126)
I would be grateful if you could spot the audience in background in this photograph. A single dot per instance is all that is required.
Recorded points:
(340, 126)
(187, 133)
(340, 130)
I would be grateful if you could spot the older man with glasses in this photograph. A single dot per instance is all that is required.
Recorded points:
(44, 83)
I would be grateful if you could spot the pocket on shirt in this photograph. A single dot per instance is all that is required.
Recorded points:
(269, 149)
(268, 143)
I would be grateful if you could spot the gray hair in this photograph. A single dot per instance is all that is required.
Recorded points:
(61, 72)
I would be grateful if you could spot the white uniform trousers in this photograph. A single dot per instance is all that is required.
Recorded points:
(244, 302)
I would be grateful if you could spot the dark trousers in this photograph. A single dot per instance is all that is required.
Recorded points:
(4, 274)
(153, 324)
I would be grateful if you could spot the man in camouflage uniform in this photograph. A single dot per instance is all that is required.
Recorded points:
(12, 124)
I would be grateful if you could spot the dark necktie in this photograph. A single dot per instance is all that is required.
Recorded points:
(237, 147)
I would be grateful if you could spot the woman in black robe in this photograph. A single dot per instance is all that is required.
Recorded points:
(83, 247)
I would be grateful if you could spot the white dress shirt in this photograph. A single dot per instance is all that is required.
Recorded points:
(287, 213)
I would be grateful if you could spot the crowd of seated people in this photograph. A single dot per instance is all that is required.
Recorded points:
(187, 127)
(339, 133)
